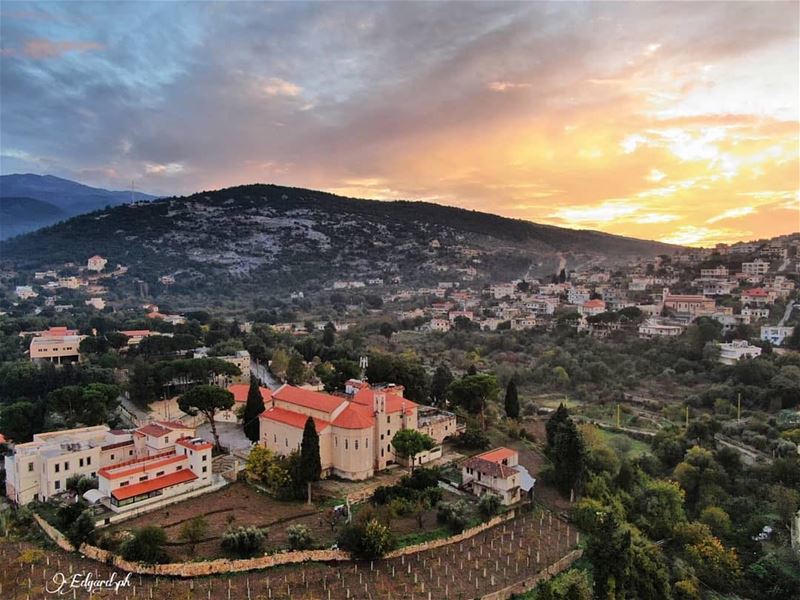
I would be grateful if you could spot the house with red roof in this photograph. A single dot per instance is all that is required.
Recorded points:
(758, 297)
(592, 307)
(494, 472)
(355, 430)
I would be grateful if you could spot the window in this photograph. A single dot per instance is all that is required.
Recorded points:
(166, 439)
(388, 447)
(58, 485)
(275, 437)
(389, 419)
(66, 465)
(88, 460)
(381, 436)
(286, 442)
(144, 478)
(159, 474)
(30, 467)
(345, 444)
(123, 484)
(130, 453)
(112, 457)
(58, 468)
(179, 467)
(356, 444)
(381, 452)
(205, 469)
(336, 441)
(389, 432)
(80, 462)
(205, 457)
(366, 442)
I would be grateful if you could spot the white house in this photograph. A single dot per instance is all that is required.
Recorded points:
(775, 335)
(734, 351)
(494, 472)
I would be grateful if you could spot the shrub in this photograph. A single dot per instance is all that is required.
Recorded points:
(300, 537)
(454, 514)
(81, 530)
(489, 505)
(368, 540)
(243, 541)
(146, 545)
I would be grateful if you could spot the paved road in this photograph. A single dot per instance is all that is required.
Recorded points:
(786, 314)
(231, 435)
(260, 370)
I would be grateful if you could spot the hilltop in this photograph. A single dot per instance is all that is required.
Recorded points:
(270, 239)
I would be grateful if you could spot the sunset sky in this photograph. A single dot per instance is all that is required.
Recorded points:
(675, 121)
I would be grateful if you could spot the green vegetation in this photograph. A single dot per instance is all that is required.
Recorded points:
(243, 542)
(146, 545)
(252, 409)
(207, 400)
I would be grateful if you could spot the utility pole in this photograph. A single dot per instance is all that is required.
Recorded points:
(739, 408)
(618, 426)
(687, 417)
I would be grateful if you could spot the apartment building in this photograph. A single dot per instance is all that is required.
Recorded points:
(39, 469)
(757, 267)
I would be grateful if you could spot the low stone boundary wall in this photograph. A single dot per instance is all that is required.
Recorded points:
(212, 567)
(562, 564)
(453, 539)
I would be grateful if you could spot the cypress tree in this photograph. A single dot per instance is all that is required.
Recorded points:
(554, 423)
(512, 400)
(310, 463)
(253, 408)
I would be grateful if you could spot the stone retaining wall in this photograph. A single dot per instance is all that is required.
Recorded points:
(564, 563)
(211, 567)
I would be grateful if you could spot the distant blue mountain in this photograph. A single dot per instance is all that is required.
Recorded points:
(70, 196)
(29, 202)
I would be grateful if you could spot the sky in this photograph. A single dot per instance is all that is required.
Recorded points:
(674, 121)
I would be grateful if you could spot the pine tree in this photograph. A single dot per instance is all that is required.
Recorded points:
(310, 467)
(512, 400)
(253, 408)
(441, 379)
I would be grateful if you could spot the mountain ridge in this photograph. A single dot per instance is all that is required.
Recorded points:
(295, 238)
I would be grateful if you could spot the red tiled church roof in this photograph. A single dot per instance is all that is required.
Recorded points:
(307, 398)
(240, 391)
(291, 418)
(355, 416)
(394, 403)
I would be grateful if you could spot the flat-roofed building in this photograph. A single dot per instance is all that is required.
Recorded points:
(731, 353)
(150, 479)
(57, 344)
